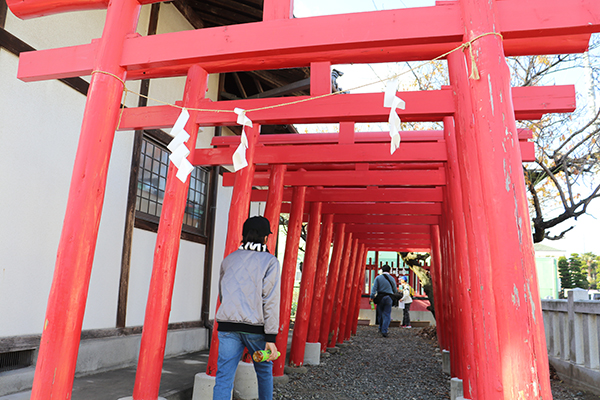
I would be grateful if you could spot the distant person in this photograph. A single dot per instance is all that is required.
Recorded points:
(383, 287)
(249, 289)
(406, 300)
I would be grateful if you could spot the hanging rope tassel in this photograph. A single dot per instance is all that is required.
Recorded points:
(474, 70)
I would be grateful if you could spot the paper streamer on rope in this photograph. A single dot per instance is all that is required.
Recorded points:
(178, 149)
(239, 156)
(391, 100)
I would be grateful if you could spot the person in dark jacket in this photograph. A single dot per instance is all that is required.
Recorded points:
(248, 317)
(383, 286)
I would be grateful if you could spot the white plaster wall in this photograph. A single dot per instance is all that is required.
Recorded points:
(39, 128)
(60, 30)
(187, 291)
(101, 307)
(221, 218)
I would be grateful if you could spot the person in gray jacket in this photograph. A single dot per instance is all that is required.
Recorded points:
(383, 287)
(248, 317)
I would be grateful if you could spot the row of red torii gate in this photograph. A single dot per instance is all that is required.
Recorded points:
(457, 193)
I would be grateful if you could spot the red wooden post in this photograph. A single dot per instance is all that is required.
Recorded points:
(452, 329)
(273, 207)
(345, 310)
(460, 258)
(320, 78)
(278, 9)
(438, 296)
(522, 346)
(334, 324)
(288, 272)
(361, 288)
(488, 368)
(354, 299)
(59, 345)
(158, 307)
(238, 213)
(332, 279)
(320, 279)
(305, 297)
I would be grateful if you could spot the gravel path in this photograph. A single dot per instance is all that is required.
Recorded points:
(403, 366)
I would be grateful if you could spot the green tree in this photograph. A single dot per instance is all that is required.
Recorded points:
(564, 271)
(579, 275)
(590, 265)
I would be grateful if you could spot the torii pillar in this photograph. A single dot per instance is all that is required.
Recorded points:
(522, 364)
(158, 307)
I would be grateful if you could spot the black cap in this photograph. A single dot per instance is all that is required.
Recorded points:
(259, 224)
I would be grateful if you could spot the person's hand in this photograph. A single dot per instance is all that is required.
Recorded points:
(273, 348)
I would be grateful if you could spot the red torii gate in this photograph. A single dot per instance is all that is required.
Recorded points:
(508, 366)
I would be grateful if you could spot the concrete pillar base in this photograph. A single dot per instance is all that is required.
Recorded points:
(281, 380)
(294, 370)
(131, 398)
(312, 354)
(203, 387)
(456, 389)
(446, 361)
(245, 384)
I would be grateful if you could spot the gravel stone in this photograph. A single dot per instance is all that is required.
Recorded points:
(404, 366)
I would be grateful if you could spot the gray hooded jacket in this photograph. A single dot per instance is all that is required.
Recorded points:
(249, 290)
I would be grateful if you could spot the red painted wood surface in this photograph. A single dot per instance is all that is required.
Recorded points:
(158, 306)
(377, 137)
(277, 9)
(485, 335)
(357, 107)
(320, 279)
(402, 35)
(288, 272)
(457, 240)
(61, 334)
(360, 289)
(332, 282)
(522, 346)
(386, 219)
(273, 206)
(431, 105)
(347, 292)
(380, 195)
(238, 213)
(307, 284)
(367, 152)
(320, 78)
(386, 228)
(386, 208)
(434, 177)
(353, 288)
(334, 323)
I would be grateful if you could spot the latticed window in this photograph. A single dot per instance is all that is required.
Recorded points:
(152, 181)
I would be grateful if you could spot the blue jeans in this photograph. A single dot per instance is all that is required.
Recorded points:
(231, 349)
(385, 313)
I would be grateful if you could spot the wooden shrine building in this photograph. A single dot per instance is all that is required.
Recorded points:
(458, 193)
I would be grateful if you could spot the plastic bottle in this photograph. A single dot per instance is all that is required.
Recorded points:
(263, 355)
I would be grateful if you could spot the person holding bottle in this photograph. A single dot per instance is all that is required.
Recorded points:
(248, 317)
